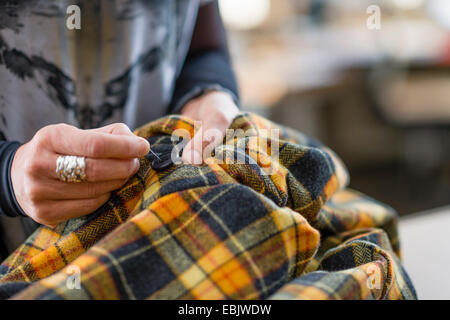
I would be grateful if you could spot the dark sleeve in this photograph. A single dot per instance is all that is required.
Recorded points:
(207, 66)
(8, 203)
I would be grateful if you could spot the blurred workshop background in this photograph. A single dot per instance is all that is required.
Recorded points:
(371, 79)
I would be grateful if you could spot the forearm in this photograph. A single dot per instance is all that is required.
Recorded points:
(207, 66)
(8, 203)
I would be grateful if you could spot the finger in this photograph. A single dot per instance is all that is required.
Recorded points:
(207, 138)
(69, 140)
(57, 190)
(97, 170)
(62, 210)
(115, 128)
(110, 169)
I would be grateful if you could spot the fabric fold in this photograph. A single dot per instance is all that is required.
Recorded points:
(267, 216)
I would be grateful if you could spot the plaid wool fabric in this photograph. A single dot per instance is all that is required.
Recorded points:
(281, 225)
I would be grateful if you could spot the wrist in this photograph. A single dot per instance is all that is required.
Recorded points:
(199, 92)
(209, 96)
(211, 102)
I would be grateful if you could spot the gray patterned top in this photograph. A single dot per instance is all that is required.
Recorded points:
(120, 66)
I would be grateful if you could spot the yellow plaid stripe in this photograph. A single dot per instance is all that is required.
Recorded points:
(222, 230)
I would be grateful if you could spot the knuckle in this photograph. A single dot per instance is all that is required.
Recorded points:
(41, 143)
(92, 190)
(94, 171)
(44, 136)
(49, 130)
(94, 147)
(33, 191)
(41, 215)
(60, 127)
(31, 166)
(121, 126)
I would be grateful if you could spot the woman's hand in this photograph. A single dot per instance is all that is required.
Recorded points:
(215, 112)
(111, 159)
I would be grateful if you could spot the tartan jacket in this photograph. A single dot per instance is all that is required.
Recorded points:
(223, 230)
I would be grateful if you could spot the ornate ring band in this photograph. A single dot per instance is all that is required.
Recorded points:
(71, 169)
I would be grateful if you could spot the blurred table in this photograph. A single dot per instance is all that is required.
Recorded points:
(415, 95)
(425, 240)
(303, 57)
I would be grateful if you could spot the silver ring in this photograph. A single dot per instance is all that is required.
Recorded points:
(71, 169)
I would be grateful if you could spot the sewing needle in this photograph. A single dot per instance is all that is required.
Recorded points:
(155, 155)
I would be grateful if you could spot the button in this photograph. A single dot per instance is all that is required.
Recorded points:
(161, 156)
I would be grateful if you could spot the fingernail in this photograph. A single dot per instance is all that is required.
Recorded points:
(144, 147)
(136, 165)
